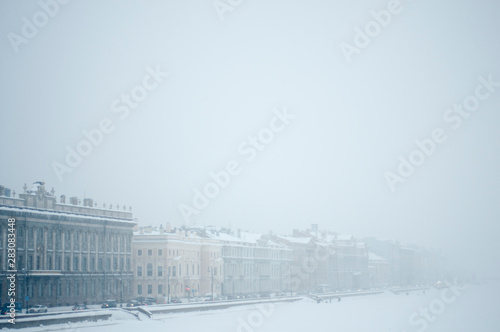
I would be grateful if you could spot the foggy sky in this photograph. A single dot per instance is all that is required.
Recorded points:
(352, 120)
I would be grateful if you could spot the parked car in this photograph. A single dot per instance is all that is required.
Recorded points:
(109, 304)
(79, 307)
(195, 299)
(175, 300)
(210, 296)
(150, 301)
(6, 309)
(133, 303)
(37, 309)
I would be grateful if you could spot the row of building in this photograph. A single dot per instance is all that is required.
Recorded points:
(70, 253)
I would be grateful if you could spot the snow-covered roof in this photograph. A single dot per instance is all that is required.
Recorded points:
(297, 240)
(64, 214)
(376, 258)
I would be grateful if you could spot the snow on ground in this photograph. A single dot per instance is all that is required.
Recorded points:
(473, 308)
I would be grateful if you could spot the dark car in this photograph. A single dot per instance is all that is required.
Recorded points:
(79, 307)
(5, 310)
(37, 309)
(133, 303)
(109, 304)
(150, 301)
(175, 300)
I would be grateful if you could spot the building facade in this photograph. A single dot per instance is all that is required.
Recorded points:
(253, 263)
(66, 253)
(175, 263)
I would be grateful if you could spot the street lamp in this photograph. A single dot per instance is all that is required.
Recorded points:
(211, 270)
(168, 284)
(121, 289)
(26, 297)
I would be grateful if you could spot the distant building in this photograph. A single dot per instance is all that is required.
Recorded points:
(253, 263)
(326, 258)
(66, 252)
(379, 271)
(408, 265)
(196, 261)
(175, 262)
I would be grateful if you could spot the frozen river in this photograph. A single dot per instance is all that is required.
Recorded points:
(473, 308)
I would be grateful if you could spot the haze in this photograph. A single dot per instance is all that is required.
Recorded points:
(351, 117)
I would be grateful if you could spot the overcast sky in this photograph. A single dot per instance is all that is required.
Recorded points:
(350, 105)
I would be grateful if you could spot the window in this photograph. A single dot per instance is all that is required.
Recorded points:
(150, 289)
(139, 252)
(67, 262)
(160, 252)
(75, 264)
(139, 289)
(67, 240)
(150, 252)
(180, 270)
(173, 271)
(149, 270)
(160, 289)
(84, 263)
(139, 271)
(160, 271)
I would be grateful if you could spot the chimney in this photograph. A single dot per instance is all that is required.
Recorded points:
(73, 200)
(314, 229)
(88, 202)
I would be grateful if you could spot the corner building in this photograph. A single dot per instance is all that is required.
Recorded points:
(66, 253)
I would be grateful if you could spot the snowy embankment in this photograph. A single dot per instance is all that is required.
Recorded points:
(31, 320)
(164, 309)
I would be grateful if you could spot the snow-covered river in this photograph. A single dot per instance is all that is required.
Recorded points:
(473, 308)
